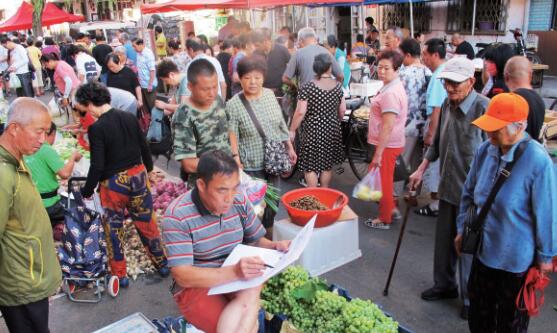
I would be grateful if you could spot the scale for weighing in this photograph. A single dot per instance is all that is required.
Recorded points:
(135, 323)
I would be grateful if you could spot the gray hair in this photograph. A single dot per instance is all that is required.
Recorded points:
(124, 37)
(120, 49)
(23, 110)
(397, 32)
(514, 127)
(281, 39)
(306, 33)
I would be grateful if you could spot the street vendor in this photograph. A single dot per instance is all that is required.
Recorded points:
(29, 268)
(45, 165)
(120, 160)
(200, 230)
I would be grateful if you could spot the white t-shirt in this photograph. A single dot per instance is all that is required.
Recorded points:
(3, 59)
(217, 66)
(87, 66)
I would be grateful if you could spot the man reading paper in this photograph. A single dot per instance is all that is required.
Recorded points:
(200, 229)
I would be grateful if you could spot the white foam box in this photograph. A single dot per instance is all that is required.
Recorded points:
(368, 89)
(330, 247)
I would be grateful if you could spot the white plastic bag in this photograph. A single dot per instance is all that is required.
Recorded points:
(14, 81)
(369, 188)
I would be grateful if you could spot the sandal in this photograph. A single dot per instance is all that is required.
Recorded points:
(396, 215)
(427, 211)
(377, 224)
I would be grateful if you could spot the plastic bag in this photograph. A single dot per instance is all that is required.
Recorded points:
(15, 83)
(369, 188)
(253, 188)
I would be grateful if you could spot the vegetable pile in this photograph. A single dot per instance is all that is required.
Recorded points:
(312, 308)
(164, 192)
(308, 202)
(65, 146)
(138, 262)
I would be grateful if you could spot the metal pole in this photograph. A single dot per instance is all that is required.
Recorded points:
(474, 18)
(306, 12)
(411, 19)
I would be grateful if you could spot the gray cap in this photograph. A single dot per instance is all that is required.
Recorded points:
(458, 69)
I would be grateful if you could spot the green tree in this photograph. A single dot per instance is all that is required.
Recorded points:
(38, 7)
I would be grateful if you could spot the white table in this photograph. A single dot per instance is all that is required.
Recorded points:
(330, 247)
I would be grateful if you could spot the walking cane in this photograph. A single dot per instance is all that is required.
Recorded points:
(411, 201)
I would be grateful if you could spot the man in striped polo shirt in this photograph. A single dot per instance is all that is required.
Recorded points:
(200, 229)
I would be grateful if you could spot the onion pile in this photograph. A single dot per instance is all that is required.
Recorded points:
(164, 192)
(138, 261)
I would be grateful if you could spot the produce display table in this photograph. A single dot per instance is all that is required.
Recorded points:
(330, 247)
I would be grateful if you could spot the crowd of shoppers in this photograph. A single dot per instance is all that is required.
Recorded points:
(221, 105)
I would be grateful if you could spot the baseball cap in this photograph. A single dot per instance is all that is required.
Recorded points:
(503, 109)
(458, 69)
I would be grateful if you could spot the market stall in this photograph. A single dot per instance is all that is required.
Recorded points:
(23, 18)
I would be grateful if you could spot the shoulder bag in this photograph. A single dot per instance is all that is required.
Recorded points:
(473, 227)
(276, 158)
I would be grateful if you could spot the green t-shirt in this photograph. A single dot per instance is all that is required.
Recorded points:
(44, 165)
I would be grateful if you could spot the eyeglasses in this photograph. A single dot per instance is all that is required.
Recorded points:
(451, 83)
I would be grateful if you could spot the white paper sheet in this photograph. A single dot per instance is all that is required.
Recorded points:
(278, 260)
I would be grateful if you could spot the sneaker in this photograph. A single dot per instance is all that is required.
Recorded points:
(164, 271)
(434, 294)
(124, 282)
(396, 214)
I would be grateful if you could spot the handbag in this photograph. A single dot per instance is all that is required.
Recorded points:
(473, 225)
(276, 159)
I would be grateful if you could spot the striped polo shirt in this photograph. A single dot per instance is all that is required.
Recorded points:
(194, 236)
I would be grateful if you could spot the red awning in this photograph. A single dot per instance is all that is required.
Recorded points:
(182, 5)
(23, 18)
(276, 3)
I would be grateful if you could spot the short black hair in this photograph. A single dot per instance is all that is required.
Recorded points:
(370, 20)
(193, 45)
(332, 41)
(92, 93)
(410, 46)
(418, 34)
(227, 43)
(394, 56)
(359, 38)
(191, 34)
(100, 37)
(49, 41)
(207, 47)
(499, 55)
(4, 39)
(39, 44)
(158, 29)
(200, 67)
(322, 63)
(112, 57)
(165, 67)
(215, 162)
(173, 45)
(137, 41)
(80, 35)
(203, 39)
(52, 56)
(75, 49)
(436, 45)
(251, 64)
(30, 41)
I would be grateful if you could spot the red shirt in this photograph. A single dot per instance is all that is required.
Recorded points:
(85, 122)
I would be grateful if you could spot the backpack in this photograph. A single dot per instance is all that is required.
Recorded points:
(159, 137)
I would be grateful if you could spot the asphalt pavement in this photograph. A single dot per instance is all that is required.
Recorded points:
(364, 277)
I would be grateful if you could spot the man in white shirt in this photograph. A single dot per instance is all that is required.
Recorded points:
(88, 69)
(146, 72)
(195, 51)
(20, 66)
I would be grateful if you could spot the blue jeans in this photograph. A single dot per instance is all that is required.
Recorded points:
(26, 89)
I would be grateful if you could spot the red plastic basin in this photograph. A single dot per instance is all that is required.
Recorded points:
(326, 196)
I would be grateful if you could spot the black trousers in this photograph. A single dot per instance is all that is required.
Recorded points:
(493, 295)
(26, 318)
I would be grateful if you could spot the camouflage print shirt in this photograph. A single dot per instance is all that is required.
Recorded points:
(196, 132)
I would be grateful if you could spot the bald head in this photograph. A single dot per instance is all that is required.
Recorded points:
(23, 110)
(518, 73)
